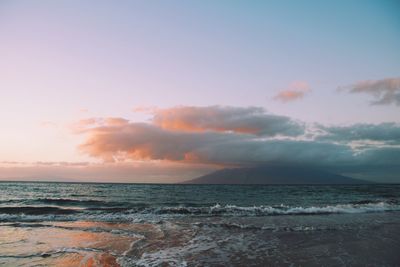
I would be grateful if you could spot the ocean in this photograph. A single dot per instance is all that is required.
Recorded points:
(85, 224)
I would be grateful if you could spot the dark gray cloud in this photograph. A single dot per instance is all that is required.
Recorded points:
(386, 156)
(383, 132)
(385, 91)
(255, 152)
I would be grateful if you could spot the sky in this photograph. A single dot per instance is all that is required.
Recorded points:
(165, 91)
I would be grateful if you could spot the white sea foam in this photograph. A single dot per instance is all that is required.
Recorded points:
(287, 210)
(209, 248)
(156, 215)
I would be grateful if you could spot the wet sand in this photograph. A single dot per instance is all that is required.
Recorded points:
(334, 240)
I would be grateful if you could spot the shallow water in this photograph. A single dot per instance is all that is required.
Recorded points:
(59, 224)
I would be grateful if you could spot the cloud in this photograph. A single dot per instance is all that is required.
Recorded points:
(82, 125)
(44, 163)
(144, 109)
(295, 91)
(251, 120)
(257, 152)
(384, 92)
(217, 136)
(383, 157)
(384, 132)
(142, 141)
(62, 163)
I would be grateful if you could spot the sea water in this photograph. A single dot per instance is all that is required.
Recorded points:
(67, 224)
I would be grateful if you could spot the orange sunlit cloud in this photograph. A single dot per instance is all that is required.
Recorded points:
(185, 134)
(206, 135)
(295, 91)
(250, 120)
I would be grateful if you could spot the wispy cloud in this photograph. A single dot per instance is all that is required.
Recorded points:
(84, 124)
(384, 92)
(145, 109)
(144, 171)
(295, 91)
(45, 163)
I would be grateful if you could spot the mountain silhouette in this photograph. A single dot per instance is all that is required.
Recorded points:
(274, 174)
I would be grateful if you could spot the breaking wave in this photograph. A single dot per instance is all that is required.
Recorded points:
(287, 210)
(50, 213)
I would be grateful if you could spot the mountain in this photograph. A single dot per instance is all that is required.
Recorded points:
(274, 175)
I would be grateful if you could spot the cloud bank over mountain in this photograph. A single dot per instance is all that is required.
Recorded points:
(237, 136)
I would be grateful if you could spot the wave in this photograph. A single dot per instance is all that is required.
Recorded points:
(40, 213)
(66, 202)
(52, 252)
(81, 203)
(29, 210)
(280, 210)
(299, 228)
(77, 202)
